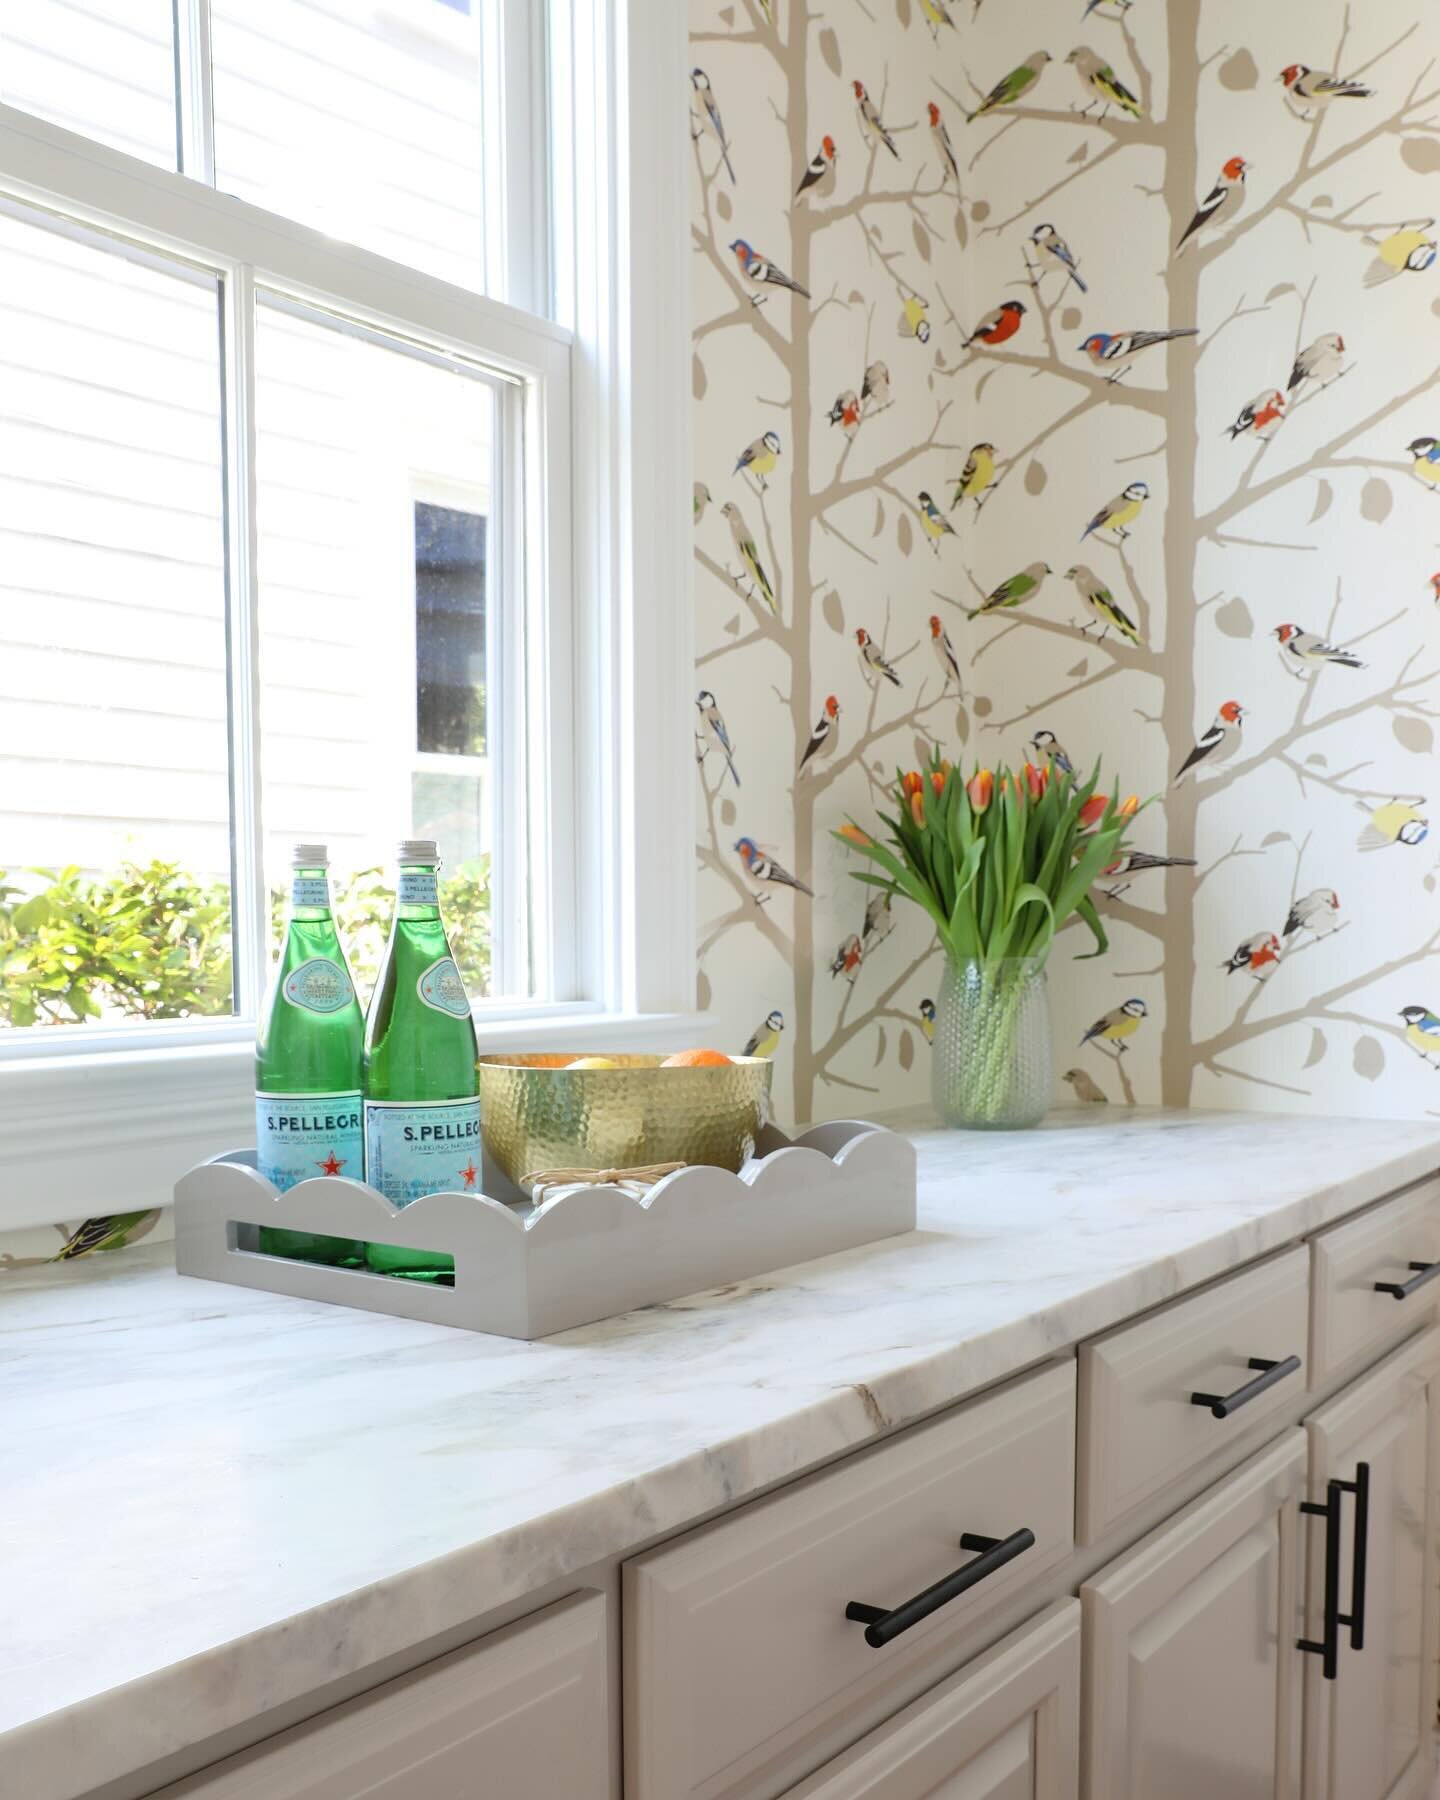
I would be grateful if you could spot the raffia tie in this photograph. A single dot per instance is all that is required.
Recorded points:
(642, 1178)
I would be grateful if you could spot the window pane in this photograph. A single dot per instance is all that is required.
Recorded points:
(114, 768)
(361, 120)
(102, 67)
(373, 620)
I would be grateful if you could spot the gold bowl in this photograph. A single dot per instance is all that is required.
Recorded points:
(538, 1113)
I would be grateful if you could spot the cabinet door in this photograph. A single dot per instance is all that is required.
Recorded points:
(1006, 1727)
(1190, 1639)
(1367, 1733)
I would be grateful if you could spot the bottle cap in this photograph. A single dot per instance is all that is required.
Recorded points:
(417, 850)
(310, 856)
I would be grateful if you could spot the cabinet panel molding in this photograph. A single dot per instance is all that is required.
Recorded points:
(1348, 1317)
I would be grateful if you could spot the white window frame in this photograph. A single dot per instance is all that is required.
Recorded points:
(601, 402)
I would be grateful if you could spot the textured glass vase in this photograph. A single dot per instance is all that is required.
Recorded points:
(992, 1063)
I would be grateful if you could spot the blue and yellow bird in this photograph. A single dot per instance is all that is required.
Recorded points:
(1115, 1026)
(759, 458)
(934, 521)
(1117, 514)
(764, 1039)
(1422, 1032)
(927, 1020)
(1426, 466)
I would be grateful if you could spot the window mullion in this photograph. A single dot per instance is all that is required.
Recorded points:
(250, 923)
(194, 102)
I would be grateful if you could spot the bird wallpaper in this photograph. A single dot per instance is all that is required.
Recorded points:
(1066, 384)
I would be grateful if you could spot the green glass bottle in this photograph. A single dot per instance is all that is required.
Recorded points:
(308, 1058)
(422, 1104)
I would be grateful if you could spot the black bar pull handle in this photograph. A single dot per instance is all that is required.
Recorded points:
(1402, 1290)
(881, 1626)
(1222, 1405)
(1328, 1645)
(1359, 1553)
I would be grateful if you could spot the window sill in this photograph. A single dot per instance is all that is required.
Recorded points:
(111, 1131)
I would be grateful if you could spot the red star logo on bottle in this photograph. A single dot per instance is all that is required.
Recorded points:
(332, 1164)
(468, 1173)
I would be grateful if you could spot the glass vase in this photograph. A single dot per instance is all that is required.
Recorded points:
(992, 1067)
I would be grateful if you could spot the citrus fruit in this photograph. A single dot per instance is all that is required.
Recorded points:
(592, 1062)
(696, 1059)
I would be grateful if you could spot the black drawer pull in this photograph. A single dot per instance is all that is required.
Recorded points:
(1328, 1646)
(881, 1626)
(1222, 1405)
(1359, 1554)
(1402, 1290)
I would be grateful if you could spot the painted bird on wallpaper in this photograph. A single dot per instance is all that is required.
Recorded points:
(1217, 742)
(748, 554)
(1259, 954)
(1407, 251)
(1422, 1032)
(1087, 1091)
(944, 149)
(1115, 1026)
(1322, 361)
(701, 500)
(1012, 87)
(1301, 651)
(765, 1038)
(759, 459)
(1308, 91)
(1102, 85)
(927, 1020)
(705, 116)
(1112, 352)
(1426, 466)
(945, 655)
(875, 388)
(1396, 822)
(1049, 749)
(1108, 9)
(760, 271)
(818, 181)
(913, 320)
(107, 1231)
(1261, 417)
(1104, 607)
(824, 739)
(934, 522)
(936, 17)
(1117, 515)
(871, 125)
(873, 665)
(846, 412)
(999, 325)
(879, 921)
(1221, 204)
(1124, 869)
(1315, 912)
(1014, 592)
(1435, 587)
(847, 959)
(759, 865)
(975, 479)
(1049, 244)
(712, 734)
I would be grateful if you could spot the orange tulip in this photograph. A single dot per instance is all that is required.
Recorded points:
(937, 781)
(911, 784)
(1093, 811)
(981, 789)
(1034, 781)
(917, 809)
(852, 834)
(1129, 805)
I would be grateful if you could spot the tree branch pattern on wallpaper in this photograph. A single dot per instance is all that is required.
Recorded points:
(1153, 439)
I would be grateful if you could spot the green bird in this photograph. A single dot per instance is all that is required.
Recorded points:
(1102, 85)
(702, 500)
(748, 554)
(1011, 87)
(1015, 591)
(109, 1231)
(1106, 608)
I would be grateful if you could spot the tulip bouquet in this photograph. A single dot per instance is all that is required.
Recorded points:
(1000, 861)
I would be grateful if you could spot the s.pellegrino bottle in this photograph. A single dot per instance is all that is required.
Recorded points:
(422, 1104)
(308, 1062)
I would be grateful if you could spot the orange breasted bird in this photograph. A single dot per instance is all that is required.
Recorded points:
(999, 325)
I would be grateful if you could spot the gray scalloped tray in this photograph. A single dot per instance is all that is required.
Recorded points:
(584, 1254)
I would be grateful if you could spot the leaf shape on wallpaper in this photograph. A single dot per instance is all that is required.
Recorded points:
(1318, 760)
(962, 230)
(962, 725)
(727, 812)
(732, 626)
(984, 381)
(882, 1043)
(1324, 494)
(727, 15)
(904, 534)
(830, 50)
(1420, 154)
(1070, 319)
(1275, 837)
(832, 611)
(698, 383)
(1234, 618)
(902, 13)
(906, 1050)
(922, 240)
(1279, 292)
(703, 993)
(1369, 1058)
(879, 524)
(980, 211)
(1376, 500)
(983, 706)
(1322, 202)
(1080, 155)
(1429, 884)
(924, 750)
(1035, 477)
(1238, 72)
(1435, 308)
(1319, 1044)
(1413, 734)
(722, 203)
(856, 298)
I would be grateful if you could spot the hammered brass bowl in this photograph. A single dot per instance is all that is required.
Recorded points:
(538, 1113)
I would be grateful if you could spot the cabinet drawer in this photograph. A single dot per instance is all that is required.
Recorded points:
(737, 1648)
(525, 1707)
(1349, 1318)
(1140, 1430)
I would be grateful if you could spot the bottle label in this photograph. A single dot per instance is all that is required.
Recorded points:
(301, 1135)
(418, 887)
(419, 1147)
(442, 989)
(319, 986)
(310, 890)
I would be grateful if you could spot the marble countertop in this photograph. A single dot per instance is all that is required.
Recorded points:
(216, 1500)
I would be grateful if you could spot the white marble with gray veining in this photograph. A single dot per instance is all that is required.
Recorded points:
(214, 1500)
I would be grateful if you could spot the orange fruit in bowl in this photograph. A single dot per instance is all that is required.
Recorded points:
(592, 1062)
(696, 1059)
